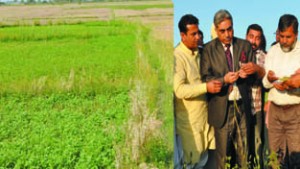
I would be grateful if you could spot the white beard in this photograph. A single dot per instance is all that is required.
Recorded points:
(288, 49)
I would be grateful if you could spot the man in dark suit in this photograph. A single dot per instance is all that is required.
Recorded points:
(231, 61)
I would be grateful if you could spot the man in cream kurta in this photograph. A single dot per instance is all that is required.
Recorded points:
(196, 135)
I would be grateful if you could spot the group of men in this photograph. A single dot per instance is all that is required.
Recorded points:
(219, 96)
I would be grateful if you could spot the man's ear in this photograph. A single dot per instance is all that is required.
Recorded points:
(182, 35)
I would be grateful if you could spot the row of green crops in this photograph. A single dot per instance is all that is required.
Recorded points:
(61, 130)
(66, 57)
(66, 95)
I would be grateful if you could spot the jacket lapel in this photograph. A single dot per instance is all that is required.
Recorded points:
(235, 54)
(221, 53)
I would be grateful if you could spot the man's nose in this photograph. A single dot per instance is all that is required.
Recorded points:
(226, 33)
(197, 36)
(284, 40)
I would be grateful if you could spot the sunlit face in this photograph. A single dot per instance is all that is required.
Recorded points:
(191, 37)
(254, 37)
(224, 31)
(287, 39)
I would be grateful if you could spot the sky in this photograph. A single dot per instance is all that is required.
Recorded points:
(266, 13)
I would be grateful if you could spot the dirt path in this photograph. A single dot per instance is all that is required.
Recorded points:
(161, 19)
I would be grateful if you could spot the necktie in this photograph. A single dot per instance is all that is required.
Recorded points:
(229, 62)
(229, 57)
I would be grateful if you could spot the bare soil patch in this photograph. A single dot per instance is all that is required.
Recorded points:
(160, 19)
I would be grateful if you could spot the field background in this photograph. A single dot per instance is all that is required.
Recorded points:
(86, 85)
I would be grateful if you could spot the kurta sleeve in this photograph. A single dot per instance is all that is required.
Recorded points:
(182, 88)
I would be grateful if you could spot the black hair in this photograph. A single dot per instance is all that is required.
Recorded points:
(257, 27)
(185, 20)
(200, 32)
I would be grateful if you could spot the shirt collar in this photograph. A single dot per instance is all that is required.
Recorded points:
(224, 46)
(187, 50)
(297, 45)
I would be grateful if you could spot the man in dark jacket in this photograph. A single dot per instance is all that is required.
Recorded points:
(231, 61)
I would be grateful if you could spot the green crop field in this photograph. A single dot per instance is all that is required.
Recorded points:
(66, 57)
(86, 95)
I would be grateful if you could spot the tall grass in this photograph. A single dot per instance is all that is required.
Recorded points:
(151, 106)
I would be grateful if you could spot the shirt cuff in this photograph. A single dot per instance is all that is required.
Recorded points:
(203, 88)
(266, 82)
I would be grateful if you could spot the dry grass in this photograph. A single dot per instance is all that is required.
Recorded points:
(160, 19)
(143, 123)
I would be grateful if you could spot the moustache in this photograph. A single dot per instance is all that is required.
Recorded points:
(254, 45)
(228, 39)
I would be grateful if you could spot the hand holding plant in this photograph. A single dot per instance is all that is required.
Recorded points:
(231, 77)
(271, 76)
(292, 82)
(243, 74)
(248, 68)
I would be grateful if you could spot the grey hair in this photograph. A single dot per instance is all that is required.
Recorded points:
(286, 21)
(222, 15)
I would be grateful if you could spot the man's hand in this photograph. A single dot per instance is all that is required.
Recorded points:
(213, 86)
(243, 74)
(231, 77)
(279, 86)
(249, 68)
(293, 82)
(271, 76)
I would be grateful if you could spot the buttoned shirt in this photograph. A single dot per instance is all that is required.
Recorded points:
(235, 93)
(190, 105)
(284, 64)
(257, 88)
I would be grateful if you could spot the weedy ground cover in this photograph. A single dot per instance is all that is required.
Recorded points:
(64, 94)
(66, 57)
(68, 92)
(73, 130)
(150, 125)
